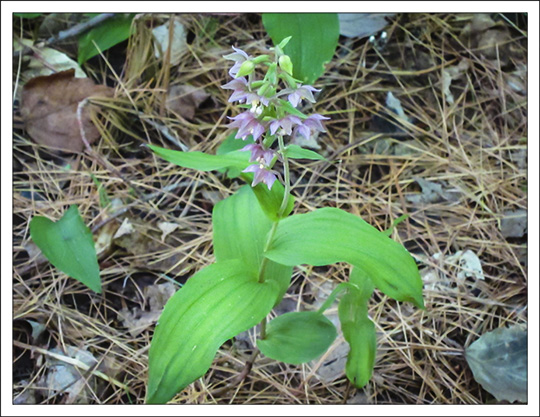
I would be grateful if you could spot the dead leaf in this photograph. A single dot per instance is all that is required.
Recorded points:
(185, 100)
(178, 45)
(498, 360)
(103, 239)
(47, 61)
(125, 228)
(149, 251)
(64, 378)
(432, 193)
(49, 110)
(360, 25)
(167, 228)
(514, 223)
(450, 74)
(27, 397)
(137, 320)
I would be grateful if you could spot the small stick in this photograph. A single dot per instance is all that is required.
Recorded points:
(65, 34)
(73, 362)
(103, 162)
(241, 376)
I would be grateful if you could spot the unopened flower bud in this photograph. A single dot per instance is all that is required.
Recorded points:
(284, 42)
(245, 69)
(264, 88)
(260, 59)
(286, 64)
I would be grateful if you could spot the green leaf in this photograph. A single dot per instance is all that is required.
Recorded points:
(329, 235)
(297, 152)
(297, 337)
(270, 200)
(498, 360)
(358, 329)
(313, 43)
(216, 304)
(27, 15)
(240, 232)
(203, 161)
(69, 246)
(111, 32)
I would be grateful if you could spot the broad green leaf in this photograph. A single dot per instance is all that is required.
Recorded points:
(240, 232)
(358, 329)
(270, 200)
(203, 161)
(69, 246)
(297, 337)
(329, 235)
(216, 304)
(27, 15)
(297, 152)
(498, 360)
(109, 33)
(314, 38)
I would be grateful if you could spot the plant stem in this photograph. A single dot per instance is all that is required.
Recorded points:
(285, 201)
(264, 261)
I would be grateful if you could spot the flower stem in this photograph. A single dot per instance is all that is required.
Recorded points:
(264, 261)
(285, 201)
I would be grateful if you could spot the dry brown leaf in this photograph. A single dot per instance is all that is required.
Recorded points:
(144, 242)
(49, 110)
(185, 99)
(137, 320)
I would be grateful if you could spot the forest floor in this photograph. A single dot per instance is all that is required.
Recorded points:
(452, 155)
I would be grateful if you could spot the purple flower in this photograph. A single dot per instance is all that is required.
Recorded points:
(313, 122)
(302, 92)
(247, 124)
(262, 174)
(238, 57)
(259, 153)
(285, 123)
(241, 92)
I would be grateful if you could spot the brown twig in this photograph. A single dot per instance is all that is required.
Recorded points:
(66, 34)
(241, 376)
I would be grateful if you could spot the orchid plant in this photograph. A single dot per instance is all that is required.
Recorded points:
(257, 242)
